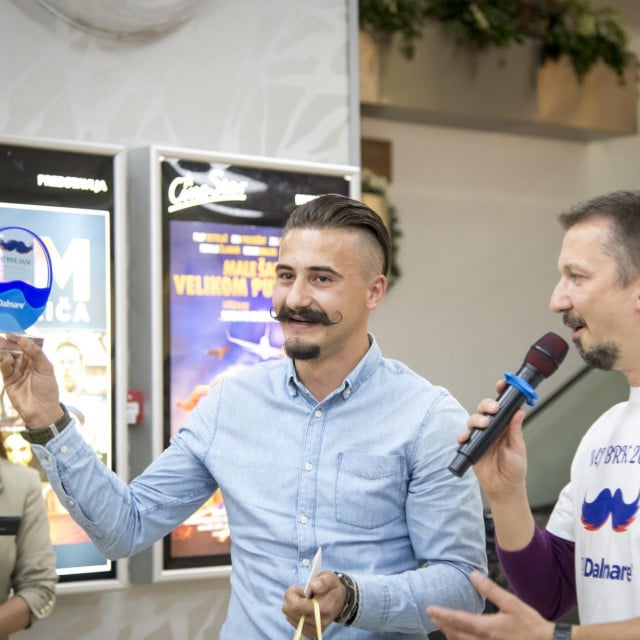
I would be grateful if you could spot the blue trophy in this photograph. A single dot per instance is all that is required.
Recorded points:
(25, 281)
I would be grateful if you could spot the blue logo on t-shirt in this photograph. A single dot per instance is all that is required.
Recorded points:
(595, 514)
(600, 569)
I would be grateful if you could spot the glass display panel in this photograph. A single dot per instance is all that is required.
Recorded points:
(222, 223)
(66, 197)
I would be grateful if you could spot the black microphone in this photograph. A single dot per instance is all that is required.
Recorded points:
(542, 359)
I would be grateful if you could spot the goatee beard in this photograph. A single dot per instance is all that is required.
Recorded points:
(601, 356)
(294, 347)
(300, 350)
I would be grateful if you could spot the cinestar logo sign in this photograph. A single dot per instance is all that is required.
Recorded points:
(183, 193)
(603, 570)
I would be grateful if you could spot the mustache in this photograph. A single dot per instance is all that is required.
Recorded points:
(595, 513)
(306, 314)
(571, 321)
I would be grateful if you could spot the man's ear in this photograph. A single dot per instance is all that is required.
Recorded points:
(376, 291)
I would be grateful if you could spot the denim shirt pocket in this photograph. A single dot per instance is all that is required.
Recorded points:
(370, 489)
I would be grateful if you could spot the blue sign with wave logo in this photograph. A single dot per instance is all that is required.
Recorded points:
(25, 278)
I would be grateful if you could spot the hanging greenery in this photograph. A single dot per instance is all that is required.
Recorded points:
(372, 183)
(571, 28)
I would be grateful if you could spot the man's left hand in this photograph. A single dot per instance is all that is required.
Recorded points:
(514, 620)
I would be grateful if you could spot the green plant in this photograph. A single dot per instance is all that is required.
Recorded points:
(571, 28)
(585, 35)
(386, 17)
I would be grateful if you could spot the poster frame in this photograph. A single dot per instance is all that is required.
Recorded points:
(114, 302)
(149, 288)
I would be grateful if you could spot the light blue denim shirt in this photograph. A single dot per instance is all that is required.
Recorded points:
(362, 474)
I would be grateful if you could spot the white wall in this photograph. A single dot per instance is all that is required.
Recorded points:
(251, 77)
(478, 250)
(478, 254)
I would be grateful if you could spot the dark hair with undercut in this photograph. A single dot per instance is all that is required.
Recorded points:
(334, 211)
(622, 210)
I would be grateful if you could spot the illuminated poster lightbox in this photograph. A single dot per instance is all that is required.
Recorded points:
(221, 229)
(66, 197)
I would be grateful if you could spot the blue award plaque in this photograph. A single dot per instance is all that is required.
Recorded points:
(25, 279)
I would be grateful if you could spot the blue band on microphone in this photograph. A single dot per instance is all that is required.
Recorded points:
(523, 386)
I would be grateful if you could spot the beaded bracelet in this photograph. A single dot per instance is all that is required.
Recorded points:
(352, 601)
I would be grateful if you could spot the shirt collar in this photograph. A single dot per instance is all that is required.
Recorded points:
(354, 380)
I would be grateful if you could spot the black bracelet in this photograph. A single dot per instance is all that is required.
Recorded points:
(352, 601)
(562, 631)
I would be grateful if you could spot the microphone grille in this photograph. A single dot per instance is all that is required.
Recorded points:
(547, 353)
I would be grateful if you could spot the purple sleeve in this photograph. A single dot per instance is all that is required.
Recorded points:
(542, 573)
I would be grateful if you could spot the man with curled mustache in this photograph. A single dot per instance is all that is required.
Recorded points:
(334, 447)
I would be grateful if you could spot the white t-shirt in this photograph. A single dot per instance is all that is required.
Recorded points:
(598, 511)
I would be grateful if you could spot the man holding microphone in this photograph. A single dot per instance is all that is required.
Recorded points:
(591, 544)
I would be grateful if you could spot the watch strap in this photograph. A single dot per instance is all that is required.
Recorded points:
(43, 435)
(562, 631)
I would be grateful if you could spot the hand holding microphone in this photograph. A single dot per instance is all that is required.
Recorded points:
(542, 359)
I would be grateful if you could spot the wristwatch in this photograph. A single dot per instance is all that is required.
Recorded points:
(43, 435)
(562, 631)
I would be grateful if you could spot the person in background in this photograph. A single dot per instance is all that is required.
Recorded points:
(19, 451)
(334, 447)
(589, 552)
(69, 367)
(72, 376)
(27, 562)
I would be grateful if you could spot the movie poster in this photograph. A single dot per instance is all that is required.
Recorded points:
(223, 275)
(44, 191)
